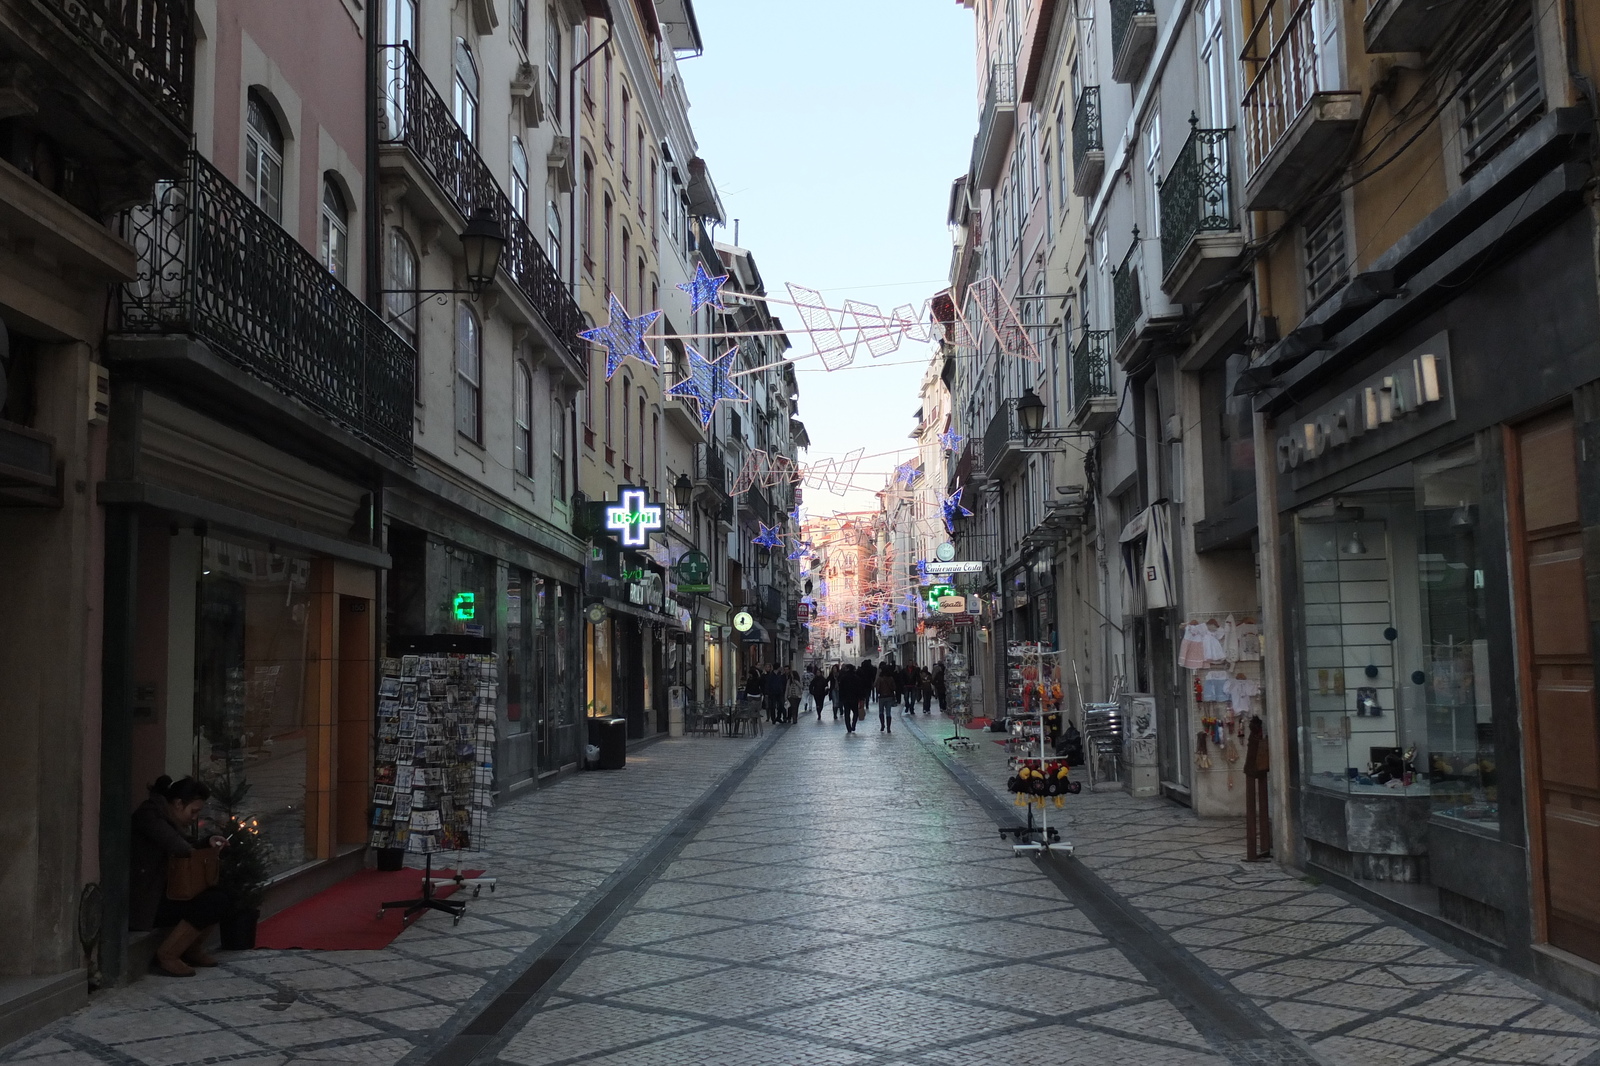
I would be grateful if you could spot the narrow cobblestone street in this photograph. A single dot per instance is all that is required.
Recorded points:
(808, 898)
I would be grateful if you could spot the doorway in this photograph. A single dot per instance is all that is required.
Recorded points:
(1561, 722)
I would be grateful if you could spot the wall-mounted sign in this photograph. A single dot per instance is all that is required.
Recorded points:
(633, 517)
(694, 573)
(945, 552)
(465, 606)
(802, 613)
(1407, 398)
(596, 613)
(959, 566)
(633, 575)
(743, 622)
(938, 592)
(951, 605)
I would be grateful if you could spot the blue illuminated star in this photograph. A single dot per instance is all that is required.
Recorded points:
(800, 549)
(708, 383)
(905, 473)
(705, 290)
(623, 336)
(951, 506)
(923, 577)
(769, 536)
(951, 440)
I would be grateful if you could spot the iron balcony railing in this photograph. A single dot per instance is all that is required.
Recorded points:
(149, 41)
(214, 266)
(1197, 196)
(1126, 299)
(1003, 433)
(711, 468)
(1282, 45)
(411, 113)
(759, 504)
(1091, 367)
(768, 602)
(1086, 136)
(999, 100)
(1122, 13)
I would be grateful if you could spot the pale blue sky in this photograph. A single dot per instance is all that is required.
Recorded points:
(833, 130)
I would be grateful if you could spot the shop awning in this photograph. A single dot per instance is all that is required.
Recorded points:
(616, 606)
(1147, 567)
(758, 635)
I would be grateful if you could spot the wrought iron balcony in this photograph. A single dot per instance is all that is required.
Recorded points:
(1094, 405)
(215, 267)
(1003, 440)
(995, 125)
(1201, 239)
(711, 471)
(1088, 146)
(1295, 133)
(151, 42)
(412, 114)
(1127, 301)
(1133, 37)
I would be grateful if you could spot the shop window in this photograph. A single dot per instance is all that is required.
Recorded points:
(1395, 684)
(263, 157)
(1501, 96)
(250, 710)
(520, 674)
(469, 375)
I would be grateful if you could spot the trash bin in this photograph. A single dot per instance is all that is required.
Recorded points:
(610, 735)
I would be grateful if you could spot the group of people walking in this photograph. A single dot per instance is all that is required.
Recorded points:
(850, 689)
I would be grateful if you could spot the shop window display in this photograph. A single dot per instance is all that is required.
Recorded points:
(250, 686)
(1394, 685)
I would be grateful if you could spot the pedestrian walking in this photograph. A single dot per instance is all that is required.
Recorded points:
(866, 679)
(819, 692)
(925, 689)
(833, 689)
(939, 688)
(846, 695)
(775, 685)
(907, 694)
(793, 692)
(887, 686)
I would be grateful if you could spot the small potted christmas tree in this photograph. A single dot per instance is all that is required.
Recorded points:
(244, 865)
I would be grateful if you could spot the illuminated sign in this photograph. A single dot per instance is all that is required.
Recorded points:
(465, 606)
(633, 517)
(959, 566)
(694, 573)
(633, 575)
(743, 622)
(937, 593)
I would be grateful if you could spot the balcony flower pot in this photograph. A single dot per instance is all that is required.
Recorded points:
(238, 930)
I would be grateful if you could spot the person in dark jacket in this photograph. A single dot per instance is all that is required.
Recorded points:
(925, 689)
(833, 689)
(938, 688)
(866, 679)
(161, 826)
(888, 683)
(819, 692)
(774, 684)
(847, 696)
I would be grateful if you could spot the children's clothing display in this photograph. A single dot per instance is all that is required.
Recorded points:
(1192, 653)
(1225, 655)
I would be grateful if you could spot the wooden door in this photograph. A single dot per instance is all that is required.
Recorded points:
(1560, 719)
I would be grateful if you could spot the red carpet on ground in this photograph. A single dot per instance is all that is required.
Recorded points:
(345, 917)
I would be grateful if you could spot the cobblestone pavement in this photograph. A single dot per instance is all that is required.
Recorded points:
(850, 901)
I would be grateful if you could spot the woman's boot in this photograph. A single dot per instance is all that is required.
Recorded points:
(196, 955)
(169, 956)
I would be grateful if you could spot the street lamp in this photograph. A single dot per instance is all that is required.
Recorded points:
(1030, 410)
(683, 490)
(482, 242)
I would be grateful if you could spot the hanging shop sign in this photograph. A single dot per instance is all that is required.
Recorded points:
(465, 606)
(596, 613)
(937, 593)
(743, 622)
(1405, 399)
(953, 604)
(694, 573)
(957, 566)
(633, 517)
(945, 552)
(802, 613)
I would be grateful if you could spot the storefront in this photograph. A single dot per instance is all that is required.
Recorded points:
(1439, 651)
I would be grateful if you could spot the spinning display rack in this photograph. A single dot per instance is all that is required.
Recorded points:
(1041, 779)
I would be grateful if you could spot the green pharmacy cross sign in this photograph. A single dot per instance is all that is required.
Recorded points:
(938, 592)
(633, 517)
(465, 606)
(694, 573)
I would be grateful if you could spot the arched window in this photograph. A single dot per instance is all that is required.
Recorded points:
(400, 303)
(263, 157)
(605, 235)
(469, 375)
(558, 448)
(519, 179)
(465, 94)
(627, 243)
(627, 435)
(588, 215)
(522, 417)
(334, 232)
(552, 225)
(641, 433)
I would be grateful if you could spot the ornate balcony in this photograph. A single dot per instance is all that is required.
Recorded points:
(711, 472)
(412, 115)
(1201, 239)
(1088, 147)
(1133, 38)
(1094, 405)
(1003, 441)
(213, 267)
(1127, 299)
(150, 41)
(1295, 133)
(995, 125)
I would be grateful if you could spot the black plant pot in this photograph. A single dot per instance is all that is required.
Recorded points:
(391, 859)
(238, 930)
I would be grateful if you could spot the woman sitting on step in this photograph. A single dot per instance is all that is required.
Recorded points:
(161, 830)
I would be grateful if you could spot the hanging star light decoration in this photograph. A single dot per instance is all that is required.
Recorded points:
(800, 549)
(923, 577)
(769, 537)
(708, 383)
(623, 336)
(951, 507)
(951, 440)
(705, 290)
(905, 473)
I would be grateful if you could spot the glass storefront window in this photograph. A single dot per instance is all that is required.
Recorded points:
(250, 686)
(599, 667)
(1393, 680)
(520, 683)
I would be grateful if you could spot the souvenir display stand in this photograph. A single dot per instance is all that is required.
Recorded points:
(1224, 656)
(1040, 778)
(435, 769)
(955, 688)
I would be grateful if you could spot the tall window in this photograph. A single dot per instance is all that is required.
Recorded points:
(639, 291)
(655, 440)
(400, 303)
(558, 448)
(522, 421)
(334, 232)
(638, 163)
(519, 22)
(627, 178)
(400, 22)
(1061, 156)
(465, 91)
(588, 216)
(552, 226)
(605, 103)
(627, 297)
(1502, 94)
(655, 199)
(552, 61)
(263, 157)
(605, 252)
(627, 435)
(609, 405)
(1213, 64)
(641, 432)
(519, 179)
(588, 68)
(469, 375)
(1152, 168)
